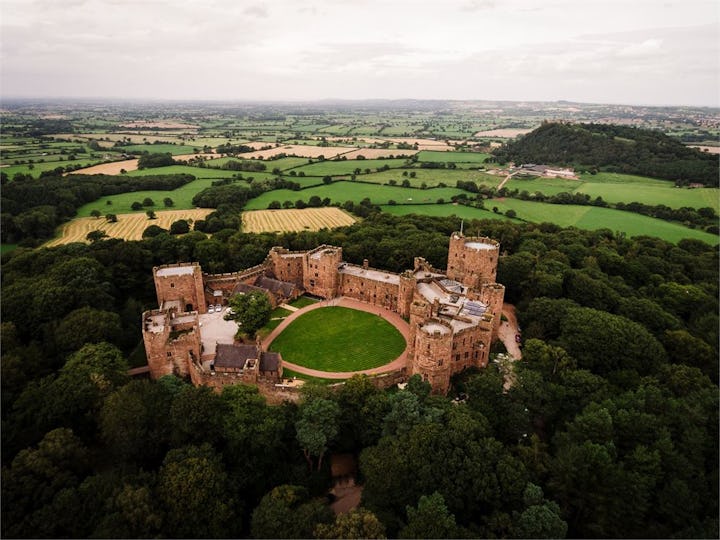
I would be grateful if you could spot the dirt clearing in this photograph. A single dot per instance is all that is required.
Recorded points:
(294, 220)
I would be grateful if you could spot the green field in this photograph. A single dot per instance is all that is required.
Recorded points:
(174, 149)
(443, 210)
(37, 168)
(197, 172)
(476, 158)
(433, 177)
(339, 339)
(583, 217)
(355, 191)
(333, 167)
(121, 203)
(625, 188)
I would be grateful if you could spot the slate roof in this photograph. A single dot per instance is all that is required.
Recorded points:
(275, 286)
(233, 356)
(269, 361)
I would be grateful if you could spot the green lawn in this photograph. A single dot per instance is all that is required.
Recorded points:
(303, 301)
(182, 197)
(432, 177)
(337, 167)
(442, 210)
(354, 191)
(339, 339)
(37, 168)
(289, 374)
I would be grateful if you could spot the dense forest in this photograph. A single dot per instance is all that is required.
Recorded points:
(613, 148)
(609, 429)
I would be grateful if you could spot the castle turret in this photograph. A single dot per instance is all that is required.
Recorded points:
(320, 271)
(287, 265)
(182, 285)
(433, 354)
(172, 342)
(406, 290)
(472, 260)
(493, 294)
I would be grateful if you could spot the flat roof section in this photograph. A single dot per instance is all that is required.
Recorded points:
(215, 329)
(176, 271)
(433, 327)
(375, 275)
(480, 245)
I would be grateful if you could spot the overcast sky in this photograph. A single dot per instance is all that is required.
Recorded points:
(603, 51)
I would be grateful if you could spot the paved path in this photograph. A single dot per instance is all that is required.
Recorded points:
(393, 318)
(288, 307)
(508, 330)
(508, 177)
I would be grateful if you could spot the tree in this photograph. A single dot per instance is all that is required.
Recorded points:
(431, 519)
(181, 226)
(152, 231)
(327, 180)
(511, 213)
(193, 489)
(541, 518)
(147, 201)
(95, 213)
(288, 512)
(316, 428)
(87, 325)
(136, 206)
(94, 236)
(151, 214)
(111, 218)
(274, 205)
(358, 523)
(251, 311)
(168, 202)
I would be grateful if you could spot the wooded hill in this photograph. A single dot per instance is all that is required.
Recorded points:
(614, 149)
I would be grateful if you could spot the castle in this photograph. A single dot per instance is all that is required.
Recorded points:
(453, 315)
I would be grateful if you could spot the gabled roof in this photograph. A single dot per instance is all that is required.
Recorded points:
(269, 361)
(275, 286)
(234, 356)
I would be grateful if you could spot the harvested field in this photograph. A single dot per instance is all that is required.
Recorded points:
(375, 153)
(299, 150)
(708, 149)
(507, 133)
(148, 124)
(128, 226)
(135, 138)
(109, 168)
(307, 219)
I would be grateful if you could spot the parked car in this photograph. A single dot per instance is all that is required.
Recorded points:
(218, 308)
(211, 309)
(517, 338)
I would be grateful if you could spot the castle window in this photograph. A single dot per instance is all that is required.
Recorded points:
(466, 354)
(169, 354)
(440, 362)
(316, 274)
(457, 357)
(172, 285)
(312, 282)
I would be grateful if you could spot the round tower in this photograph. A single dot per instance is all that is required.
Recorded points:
(472, 260)
(433, 354)
(493, 294)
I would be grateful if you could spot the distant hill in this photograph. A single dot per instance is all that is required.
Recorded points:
(614, 149)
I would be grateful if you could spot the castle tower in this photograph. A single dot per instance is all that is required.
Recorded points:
(320, 271)
(472, 260)
(405, 293)
(433, 354)
(181, 284)
(493, 294)
(171, 342)
(287, 266)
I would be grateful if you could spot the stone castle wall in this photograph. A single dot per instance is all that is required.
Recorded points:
(185, 288)
(320, 271)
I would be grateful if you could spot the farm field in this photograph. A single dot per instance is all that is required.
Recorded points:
(128, 226)
(174, 149)
(583, 217)
(433, 177)
(121, 202)
(112, 168)
(300, 150)
(343, 167)
(349, 340)
(295, 220)
(354, 191)
(198, 172)
(453, 157)
(376, 153)
(37, 168)
(636, 189)
(505, 133)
